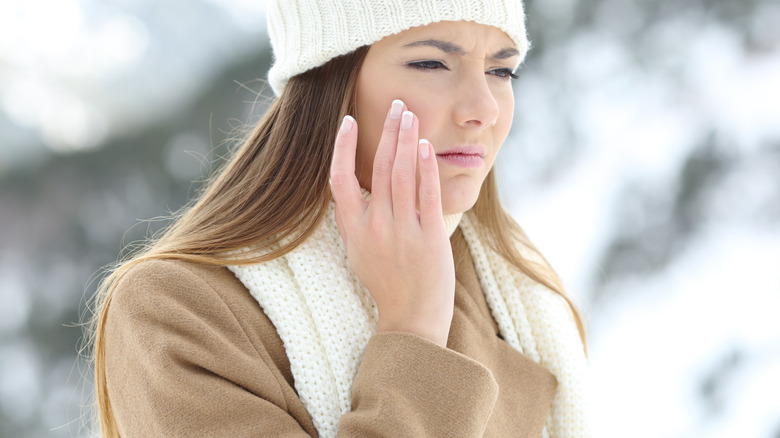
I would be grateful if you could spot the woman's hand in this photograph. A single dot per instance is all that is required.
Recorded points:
(402, 256)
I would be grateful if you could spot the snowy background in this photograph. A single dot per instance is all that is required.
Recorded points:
(644, 162)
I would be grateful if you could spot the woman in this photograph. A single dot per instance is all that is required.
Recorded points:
(350, 271)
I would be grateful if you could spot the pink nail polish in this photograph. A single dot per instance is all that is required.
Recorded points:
(425, 150)
(406, 120)
(346, 124)
(396, 108)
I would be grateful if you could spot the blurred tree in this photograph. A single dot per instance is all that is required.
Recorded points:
(70, 214)
(66, 215)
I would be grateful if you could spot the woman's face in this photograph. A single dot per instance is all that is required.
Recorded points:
(455, 76)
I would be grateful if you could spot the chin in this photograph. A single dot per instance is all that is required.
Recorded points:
(458, 201)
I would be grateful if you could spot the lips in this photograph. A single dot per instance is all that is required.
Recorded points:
(463, 156)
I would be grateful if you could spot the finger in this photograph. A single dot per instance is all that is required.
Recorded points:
(431, 215)
(385, 156)
(343, 182)
(404, 180)
(340, 225)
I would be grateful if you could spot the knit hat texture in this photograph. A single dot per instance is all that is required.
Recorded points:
(308, 33)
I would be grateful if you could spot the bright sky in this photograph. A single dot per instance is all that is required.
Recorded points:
(73, 72)
(70, 69)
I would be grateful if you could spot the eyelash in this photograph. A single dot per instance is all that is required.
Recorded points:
(503, 73)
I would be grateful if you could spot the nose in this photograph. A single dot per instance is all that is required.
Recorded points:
(476, 106)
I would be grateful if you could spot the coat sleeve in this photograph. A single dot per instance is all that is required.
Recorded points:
(179, 363)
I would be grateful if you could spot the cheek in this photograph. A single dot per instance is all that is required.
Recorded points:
(506, 106)
(370, 116)
(428, 109)
(376, 90)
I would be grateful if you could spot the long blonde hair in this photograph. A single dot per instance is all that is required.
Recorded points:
(275, 189)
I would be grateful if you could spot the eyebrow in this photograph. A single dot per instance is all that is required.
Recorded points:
(451, 48)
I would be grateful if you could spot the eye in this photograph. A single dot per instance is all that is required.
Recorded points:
(503, 73)
(427, 65)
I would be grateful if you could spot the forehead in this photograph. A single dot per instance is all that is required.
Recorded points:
(466, 34)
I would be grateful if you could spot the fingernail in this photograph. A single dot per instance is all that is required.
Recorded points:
(396, 108)
(346, 124)
(425, 150)
(406, 120)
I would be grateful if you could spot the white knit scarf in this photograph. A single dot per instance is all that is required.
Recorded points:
(325, 317)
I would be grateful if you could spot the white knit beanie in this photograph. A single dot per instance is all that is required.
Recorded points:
(308, 33)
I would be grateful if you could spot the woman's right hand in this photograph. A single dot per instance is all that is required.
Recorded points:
(402, 256)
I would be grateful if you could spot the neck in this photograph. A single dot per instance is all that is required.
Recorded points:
(451, 222)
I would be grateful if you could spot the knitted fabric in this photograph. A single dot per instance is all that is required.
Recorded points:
(325, 318)
(308, 33)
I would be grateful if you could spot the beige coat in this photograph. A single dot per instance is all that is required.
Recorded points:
(190, 353)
